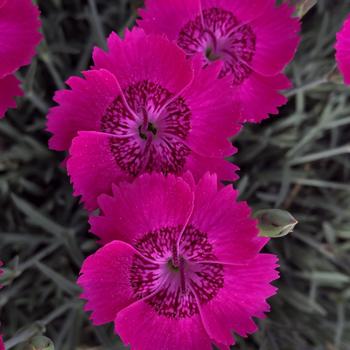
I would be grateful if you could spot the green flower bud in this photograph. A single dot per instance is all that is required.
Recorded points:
(40, 343)
(275, 223)
(7, 276)
(334, 76)
(304, 6)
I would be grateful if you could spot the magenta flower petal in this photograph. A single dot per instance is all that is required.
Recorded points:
(253, 39)
(207, 123)
(244, 13)
(259, 96)
(81, 108)
(343, 50)
(196, 273)
(19, 36)
(19, 25)
(93, 169)
(139, 57)
(157, 111)
(200, 165)
(140, 326)
(276, 40)
(233, 236)
(221, 346)
(243, 297)
(9, 89)
(158, 14)
(92, 166)
(170, 198)
(109, 266)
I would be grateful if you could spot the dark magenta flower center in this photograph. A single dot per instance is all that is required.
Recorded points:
(178, 272)
(148, 129)
(218, 35)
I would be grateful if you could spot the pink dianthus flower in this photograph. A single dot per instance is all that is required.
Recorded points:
(254, 39)
(19, 36)
(182, 269)
(343, 50)
(143, 108)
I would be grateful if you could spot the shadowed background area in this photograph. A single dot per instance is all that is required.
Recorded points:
(298, 161)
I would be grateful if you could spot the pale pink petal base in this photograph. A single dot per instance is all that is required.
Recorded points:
(140, 326)
(9, 89)
(151, 202)
(343, 50)
(244, 296)
(104, 278)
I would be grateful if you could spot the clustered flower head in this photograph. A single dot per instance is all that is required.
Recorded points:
(148, 132)
(19, 36)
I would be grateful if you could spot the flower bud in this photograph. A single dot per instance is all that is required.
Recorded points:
(6, 276)
(302, 6)
(275, 223)
(334, 76)
(40, 343)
